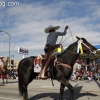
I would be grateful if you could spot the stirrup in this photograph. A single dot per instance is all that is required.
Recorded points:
(41, 75)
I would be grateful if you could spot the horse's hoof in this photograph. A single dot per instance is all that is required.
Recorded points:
(71, 99)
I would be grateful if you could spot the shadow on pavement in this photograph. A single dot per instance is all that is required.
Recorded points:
(12, 82)
(2, 84)
(55, 96)
(98, 83)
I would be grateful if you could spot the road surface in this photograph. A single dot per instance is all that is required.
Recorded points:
(43, 90)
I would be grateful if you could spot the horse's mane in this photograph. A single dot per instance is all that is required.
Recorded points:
(70, 48)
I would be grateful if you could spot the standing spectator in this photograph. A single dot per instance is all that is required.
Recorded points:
(12, 73)
(76, 67)
(98, 74)
(92, 68)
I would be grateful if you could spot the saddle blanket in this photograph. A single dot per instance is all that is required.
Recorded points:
(39, 62)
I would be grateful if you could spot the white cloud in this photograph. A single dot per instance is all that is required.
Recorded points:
(26, 23)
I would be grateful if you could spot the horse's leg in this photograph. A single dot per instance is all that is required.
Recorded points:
(71, 91)
(7, 78)
(25, 93)
(61, 91)
(2, 79)
(70, 87)
(25, 84)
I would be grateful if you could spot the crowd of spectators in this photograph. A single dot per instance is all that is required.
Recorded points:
(12, 74)
(82, 71)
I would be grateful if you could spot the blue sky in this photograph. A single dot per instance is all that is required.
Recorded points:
(26, 22)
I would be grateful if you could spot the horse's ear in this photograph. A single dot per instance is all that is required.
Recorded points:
(78, 37)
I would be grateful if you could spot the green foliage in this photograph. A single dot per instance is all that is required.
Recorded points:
(94, 57)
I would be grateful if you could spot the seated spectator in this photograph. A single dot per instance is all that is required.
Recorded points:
(93, 76)
(89, 75)
(79, 74)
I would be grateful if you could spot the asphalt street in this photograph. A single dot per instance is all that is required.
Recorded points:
(43, 90)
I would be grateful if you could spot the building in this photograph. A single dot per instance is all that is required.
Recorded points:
(13, 63)
(98, 60)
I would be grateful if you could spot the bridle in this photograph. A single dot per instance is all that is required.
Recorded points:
(80, 42)
(79, 47)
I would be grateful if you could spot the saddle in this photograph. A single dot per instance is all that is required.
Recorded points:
(39, 62)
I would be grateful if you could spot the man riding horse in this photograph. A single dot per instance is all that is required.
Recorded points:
(3, 69)
(2, 62)
(50, 45)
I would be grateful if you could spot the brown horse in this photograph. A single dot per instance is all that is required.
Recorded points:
(4, 72)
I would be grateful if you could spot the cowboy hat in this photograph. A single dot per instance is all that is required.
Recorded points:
(1, 57)
(50, 27)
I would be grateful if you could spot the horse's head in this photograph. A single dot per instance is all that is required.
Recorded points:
(86, 46)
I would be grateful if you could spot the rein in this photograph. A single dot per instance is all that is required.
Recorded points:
(66, 65)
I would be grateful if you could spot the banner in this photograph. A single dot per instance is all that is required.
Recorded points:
(22, 51)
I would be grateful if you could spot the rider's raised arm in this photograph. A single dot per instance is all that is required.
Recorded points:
(63, 33)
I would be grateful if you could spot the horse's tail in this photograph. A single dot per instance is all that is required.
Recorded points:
(20, 78)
